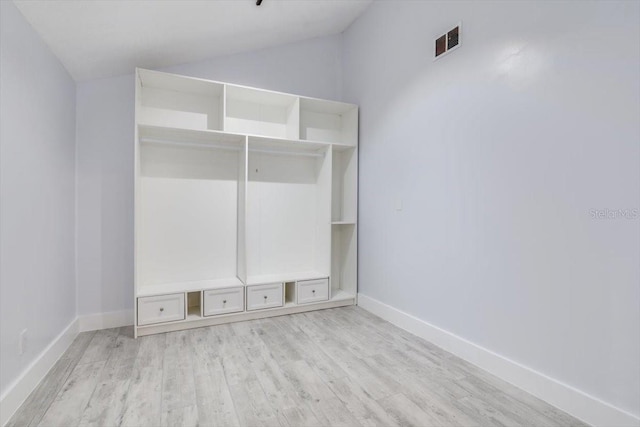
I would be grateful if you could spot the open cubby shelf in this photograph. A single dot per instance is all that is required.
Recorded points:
(241, 194)
(177, 101)
(328, 121)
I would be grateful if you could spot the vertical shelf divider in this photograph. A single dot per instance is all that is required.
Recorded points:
(293, 120)
(136, 197)
(223, 109)
(242, 212)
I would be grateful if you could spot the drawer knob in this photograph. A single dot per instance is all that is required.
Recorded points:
(313, 291)
(265, 297)
(161, 308)
(224, 301)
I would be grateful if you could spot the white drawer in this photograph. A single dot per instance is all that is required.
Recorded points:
(161, 308)
(222, 301)
(264, 296)
(313, 290)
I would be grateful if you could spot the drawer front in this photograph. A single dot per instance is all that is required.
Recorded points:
(222, 301)
(264, 296)
(161, 308)
(313, 291)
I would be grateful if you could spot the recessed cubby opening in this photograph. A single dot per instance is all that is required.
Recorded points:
(264, 113)
(180, 102)
(290, 292)
(288, 211)
(328, 121)
(187, 208)
(344, 274)
(344, 203)
(194, 304)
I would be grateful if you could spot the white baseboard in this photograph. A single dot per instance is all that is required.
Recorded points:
(569, 399)
(111, 319)
(20, 389)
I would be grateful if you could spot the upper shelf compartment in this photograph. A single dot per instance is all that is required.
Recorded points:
(328, 121)
(179, 102)
(263, 113)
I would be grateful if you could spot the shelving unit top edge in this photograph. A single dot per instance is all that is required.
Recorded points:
(141, 71)
(178, 83)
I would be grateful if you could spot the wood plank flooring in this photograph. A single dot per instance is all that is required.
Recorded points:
(337, 367)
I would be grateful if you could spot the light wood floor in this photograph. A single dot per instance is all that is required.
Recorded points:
(338, 367)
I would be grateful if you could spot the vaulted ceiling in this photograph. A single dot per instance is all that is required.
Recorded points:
(102, 38)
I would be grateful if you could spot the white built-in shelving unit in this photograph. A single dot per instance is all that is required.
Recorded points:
(245, 203)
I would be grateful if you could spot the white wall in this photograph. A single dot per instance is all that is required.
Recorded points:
(498, 152)
(105, 154)
(37, 193)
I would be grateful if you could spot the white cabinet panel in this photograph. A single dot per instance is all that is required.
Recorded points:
(313, 291)
(265, 296)
(161, 308)
(222, 301)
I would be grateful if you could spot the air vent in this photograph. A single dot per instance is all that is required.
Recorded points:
(447, 42)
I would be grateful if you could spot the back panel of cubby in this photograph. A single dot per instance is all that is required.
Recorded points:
(344, 188)
(163, 107)
(344, 262)
(261, 119)
(328, 121)
(242, 215)
(320, 127)
(188, 204)
(281, 213)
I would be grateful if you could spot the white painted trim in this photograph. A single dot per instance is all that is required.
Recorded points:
(20, 389)
(28, 380)
(111, 319)
(563, 396)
